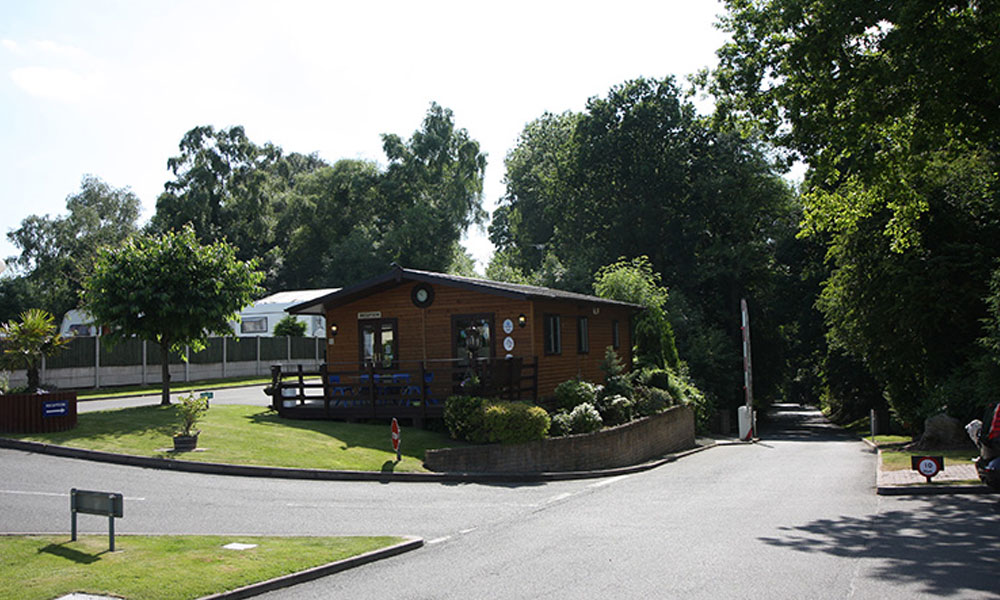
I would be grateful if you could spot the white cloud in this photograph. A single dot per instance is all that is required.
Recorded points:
(11, 45)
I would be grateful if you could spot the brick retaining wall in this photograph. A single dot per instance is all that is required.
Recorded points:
(621, 446)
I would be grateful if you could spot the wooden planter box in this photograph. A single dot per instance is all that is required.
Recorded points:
(37, 413)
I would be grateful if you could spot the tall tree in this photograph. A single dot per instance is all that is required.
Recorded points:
(55, 251)
(169, 289)
(893, 107)
(640, 173)
(431, 192)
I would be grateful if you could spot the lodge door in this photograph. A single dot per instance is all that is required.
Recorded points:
(379, 343)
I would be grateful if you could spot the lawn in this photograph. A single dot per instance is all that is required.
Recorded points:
(899, 460)
(155, 390)
(161, 567)
(249, 435)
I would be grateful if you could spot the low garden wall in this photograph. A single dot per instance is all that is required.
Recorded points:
(37, 413)
(621, 446)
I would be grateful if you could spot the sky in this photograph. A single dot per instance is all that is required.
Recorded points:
(108, 88)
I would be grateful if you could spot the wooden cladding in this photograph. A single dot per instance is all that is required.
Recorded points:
(429, 333)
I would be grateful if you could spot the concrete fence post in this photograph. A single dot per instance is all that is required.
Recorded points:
(97, 362)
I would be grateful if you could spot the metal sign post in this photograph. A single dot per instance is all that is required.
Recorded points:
(106, 504)
(747, 411)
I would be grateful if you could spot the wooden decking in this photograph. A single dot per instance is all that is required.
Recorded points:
(414, 391)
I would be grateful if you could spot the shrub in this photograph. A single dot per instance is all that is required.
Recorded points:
(515, 422)
(479, 421)
(573, 392)
(289, 326)
(615, 410)
(464, 416)
(191, 409)
(654, 378)
(560, 424)
(652, 400)
(585, 418)
(682, 389)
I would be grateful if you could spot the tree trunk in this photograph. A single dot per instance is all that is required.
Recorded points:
(33, 378)
(165, 370)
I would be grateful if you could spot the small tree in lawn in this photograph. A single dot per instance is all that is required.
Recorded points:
(169, 289)
(24, 343)
(289, 326)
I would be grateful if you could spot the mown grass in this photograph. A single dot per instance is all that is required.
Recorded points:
(249, 435)
(153, 390)
(862, 428)
(161, 567)
(898, 460)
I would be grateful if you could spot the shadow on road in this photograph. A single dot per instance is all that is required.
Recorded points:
(949, 548)
(792, 422)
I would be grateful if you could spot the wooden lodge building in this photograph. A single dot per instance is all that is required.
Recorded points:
(399, 344)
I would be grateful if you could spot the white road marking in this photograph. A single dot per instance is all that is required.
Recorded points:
(439, 540)
(465, 531)
(558, 498)
(608, 481)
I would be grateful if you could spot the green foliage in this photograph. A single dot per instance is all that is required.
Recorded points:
(635, 281)
(515, 422)
(585, 418)
(464, 416)
(57, 251)
(191, 410)
(312, 224)
(560, 424)
(24, 343)
(652, 400)
(903, 183)
(169, 289)
(654, 378)
(616, 381)
(632, 281)
(573, 392)
(479, 421)
(615, 409)
(638, 173)
(290, 326)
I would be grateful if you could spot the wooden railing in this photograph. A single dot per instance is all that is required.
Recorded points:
(411, 390)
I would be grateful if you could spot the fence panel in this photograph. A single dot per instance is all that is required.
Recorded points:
(124, 353)
(303, 348)
(241, 349)
(211, 354)
(79, 352)
(275, 348)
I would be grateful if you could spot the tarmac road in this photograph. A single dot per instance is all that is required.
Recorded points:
(792, 516)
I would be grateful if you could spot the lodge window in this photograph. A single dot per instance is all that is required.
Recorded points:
(553, 334)
(615, 338)
(583, 335)
(253, 325)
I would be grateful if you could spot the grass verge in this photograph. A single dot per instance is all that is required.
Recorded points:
(249, 435)
(161, 567)
(153, 390)
(898, 460)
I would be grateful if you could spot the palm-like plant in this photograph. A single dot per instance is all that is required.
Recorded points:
(24, 343)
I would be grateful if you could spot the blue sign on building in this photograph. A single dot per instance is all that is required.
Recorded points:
(55, 408)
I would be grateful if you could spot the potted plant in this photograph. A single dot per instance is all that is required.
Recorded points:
(191, 410)
(23, 344)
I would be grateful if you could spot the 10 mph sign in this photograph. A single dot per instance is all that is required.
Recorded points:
(395, 437)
